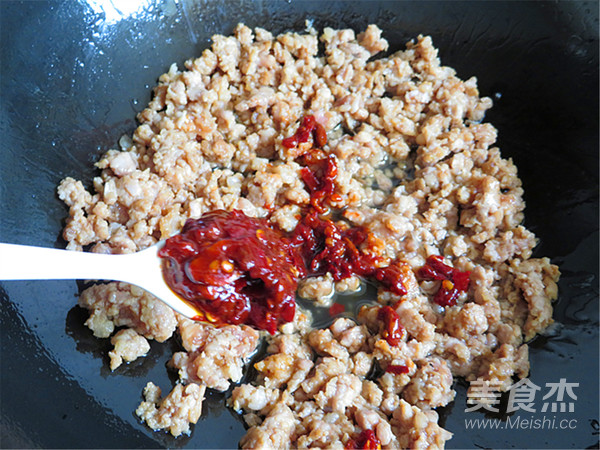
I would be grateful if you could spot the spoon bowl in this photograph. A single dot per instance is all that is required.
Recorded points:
(143, 269)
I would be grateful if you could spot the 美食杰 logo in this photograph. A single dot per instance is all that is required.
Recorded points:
(553, 398)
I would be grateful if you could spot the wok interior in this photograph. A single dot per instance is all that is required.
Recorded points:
(75, 74)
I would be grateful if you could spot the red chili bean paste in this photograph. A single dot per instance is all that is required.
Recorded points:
(237, 269)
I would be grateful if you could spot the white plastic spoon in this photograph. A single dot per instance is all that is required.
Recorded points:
(143, 269)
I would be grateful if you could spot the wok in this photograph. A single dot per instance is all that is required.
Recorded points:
(73, 75)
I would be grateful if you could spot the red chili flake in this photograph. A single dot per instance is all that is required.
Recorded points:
(436, 269)
(453, 281)
(397, 369)
(393, 277)
(320, 170)
(336, 308)
(327, 247)
(393, 331)
(366, 440)
(461, 280)
(319, 177)
(309, 126)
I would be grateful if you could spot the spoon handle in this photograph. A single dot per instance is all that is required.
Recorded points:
(22, 262)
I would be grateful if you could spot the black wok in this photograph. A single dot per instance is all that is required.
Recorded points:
(73, 75)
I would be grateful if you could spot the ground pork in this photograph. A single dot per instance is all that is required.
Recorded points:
(431, 386)
(176, 411)
(128, 346)
(214, 357)
(120, 304)
(275, 432)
